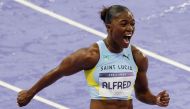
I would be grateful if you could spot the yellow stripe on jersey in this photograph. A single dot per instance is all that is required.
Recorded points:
(89, 74)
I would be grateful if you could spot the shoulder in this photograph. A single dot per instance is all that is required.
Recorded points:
(89, 52)
(88, 57)
(82, 59)
(140, 58)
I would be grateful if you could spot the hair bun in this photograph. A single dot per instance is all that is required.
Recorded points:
(104, 13)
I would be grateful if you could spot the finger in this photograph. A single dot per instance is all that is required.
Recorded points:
(165, 104)
(161, 93)
(20, 104)
(165, 94)
(19, 99)
(162, 104)
(164, 99)
(22, 92)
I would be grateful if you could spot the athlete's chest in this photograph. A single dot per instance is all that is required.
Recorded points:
(115, 75)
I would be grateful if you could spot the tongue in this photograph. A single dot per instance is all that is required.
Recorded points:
(126, 41)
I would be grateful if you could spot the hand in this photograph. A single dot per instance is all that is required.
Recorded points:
(24, 97)
(163, 99)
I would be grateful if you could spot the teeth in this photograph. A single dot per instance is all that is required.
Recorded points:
(129, 35)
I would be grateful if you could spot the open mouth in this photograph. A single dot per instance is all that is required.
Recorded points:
(127, 38)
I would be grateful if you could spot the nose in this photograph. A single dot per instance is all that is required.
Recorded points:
(129, 28)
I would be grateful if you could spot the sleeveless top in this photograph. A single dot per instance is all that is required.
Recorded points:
(114, 75)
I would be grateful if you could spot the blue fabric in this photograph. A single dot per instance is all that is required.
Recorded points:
(112, 65)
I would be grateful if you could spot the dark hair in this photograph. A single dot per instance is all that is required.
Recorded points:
(108, 13)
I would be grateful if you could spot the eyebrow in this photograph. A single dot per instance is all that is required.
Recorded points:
(122, 20)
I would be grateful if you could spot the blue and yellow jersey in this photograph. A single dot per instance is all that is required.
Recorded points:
(114, 75)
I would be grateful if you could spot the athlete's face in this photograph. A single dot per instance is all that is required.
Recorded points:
(122, 28)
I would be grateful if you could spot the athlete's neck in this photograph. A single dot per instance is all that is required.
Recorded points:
(112, 46)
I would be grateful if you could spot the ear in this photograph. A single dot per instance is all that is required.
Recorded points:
(108, 26)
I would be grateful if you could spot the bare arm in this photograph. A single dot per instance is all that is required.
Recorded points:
(82, 59)
(142, 91)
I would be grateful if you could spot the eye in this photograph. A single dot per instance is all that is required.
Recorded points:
(133, 23)
(123, 23)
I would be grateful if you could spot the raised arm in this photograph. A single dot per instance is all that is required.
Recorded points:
(142, 90)
(82, 59)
